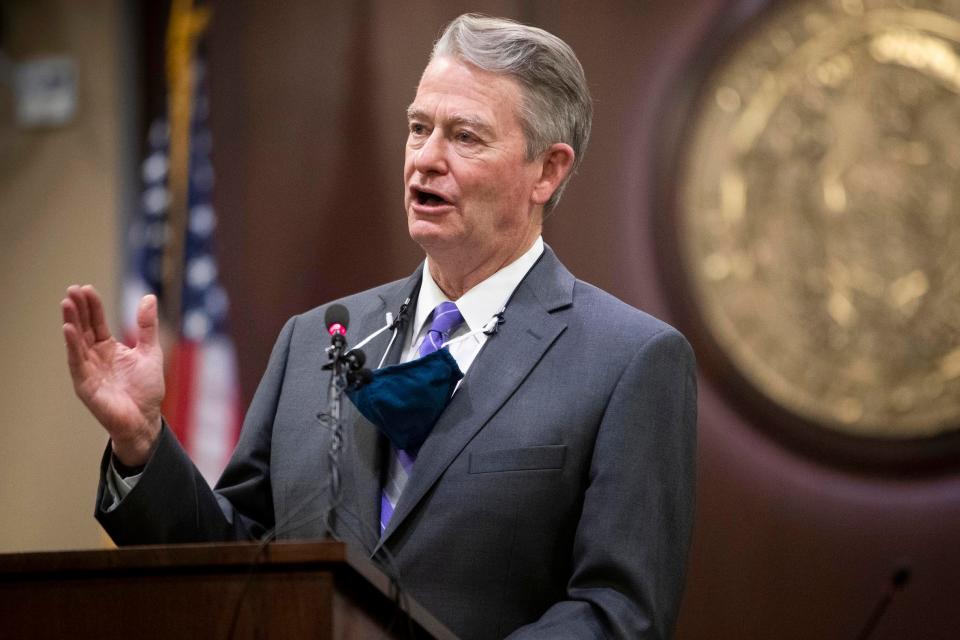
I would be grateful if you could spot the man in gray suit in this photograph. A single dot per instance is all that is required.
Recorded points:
(553, 497)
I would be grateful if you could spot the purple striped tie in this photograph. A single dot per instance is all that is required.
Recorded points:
(446, 318)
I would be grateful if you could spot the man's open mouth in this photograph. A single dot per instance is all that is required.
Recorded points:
(428, 199)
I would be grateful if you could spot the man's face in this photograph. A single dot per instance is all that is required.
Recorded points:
(468, 184)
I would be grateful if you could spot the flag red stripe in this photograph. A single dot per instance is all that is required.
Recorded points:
(180, 391)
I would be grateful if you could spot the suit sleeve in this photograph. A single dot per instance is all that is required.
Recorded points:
(631, 543)
(172, 503)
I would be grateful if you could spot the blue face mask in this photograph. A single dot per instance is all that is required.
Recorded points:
(405, 400)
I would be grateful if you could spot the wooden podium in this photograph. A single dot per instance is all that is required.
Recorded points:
(210, 591)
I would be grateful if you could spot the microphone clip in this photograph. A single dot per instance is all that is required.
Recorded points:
(494, 325)
(351, 361)
(401, 315)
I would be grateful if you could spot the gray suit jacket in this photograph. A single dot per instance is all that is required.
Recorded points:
(553, 499)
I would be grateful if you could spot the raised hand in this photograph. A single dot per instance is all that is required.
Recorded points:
(122, 387)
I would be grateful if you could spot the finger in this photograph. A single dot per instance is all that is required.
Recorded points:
(100, 329)
(72, 317)
(83, 312)
(147, 321)
(74, 350)
(69, 311)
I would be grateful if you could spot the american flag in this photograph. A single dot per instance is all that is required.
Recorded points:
(202, 403)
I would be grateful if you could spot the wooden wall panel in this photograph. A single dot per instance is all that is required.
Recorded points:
(308, 100)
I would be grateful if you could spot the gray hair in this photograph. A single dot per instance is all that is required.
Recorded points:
(556, 105)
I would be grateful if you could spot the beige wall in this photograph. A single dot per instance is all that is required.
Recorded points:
(59, 193)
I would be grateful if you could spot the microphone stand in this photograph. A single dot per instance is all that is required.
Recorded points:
(335, 391)
(347, 372)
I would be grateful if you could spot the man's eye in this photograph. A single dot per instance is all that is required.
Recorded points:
(466, 137)
(417, 129)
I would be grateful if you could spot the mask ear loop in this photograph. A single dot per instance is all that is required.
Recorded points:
(391, 324)
(396, 330)
(490, 328)
(373, 335)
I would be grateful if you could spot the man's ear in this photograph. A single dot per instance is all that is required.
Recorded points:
(555, 165)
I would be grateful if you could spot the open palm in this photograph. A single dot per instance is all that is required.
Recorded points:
(121, 386)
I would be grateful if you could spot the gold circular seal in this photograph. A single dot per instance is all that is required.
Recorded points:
(820, 213)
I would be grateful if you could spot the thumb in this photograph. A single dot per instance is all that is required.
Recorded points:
(147, 321)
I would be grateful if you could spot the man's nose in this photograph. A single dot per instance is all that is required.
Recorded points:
(431, 156)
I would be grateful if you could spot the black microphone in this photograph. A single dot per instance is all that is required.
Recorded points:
(358, 378)
(337, 318)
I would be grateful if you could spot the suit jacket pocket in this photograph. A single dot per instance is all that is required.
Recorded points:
(526, 459)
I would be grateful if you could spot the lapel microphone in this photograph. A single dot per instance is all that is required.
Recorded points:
(494, 326)
(401, 315)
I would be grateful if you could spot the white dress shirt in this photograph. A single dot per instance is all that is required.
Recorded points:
(477, 306)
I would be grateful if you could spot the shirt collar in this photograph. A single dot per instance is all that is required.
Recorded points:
(481, 302)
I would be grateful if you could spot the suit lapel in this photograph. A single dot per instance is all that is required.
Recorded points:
(527, 332)
(360, 482)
